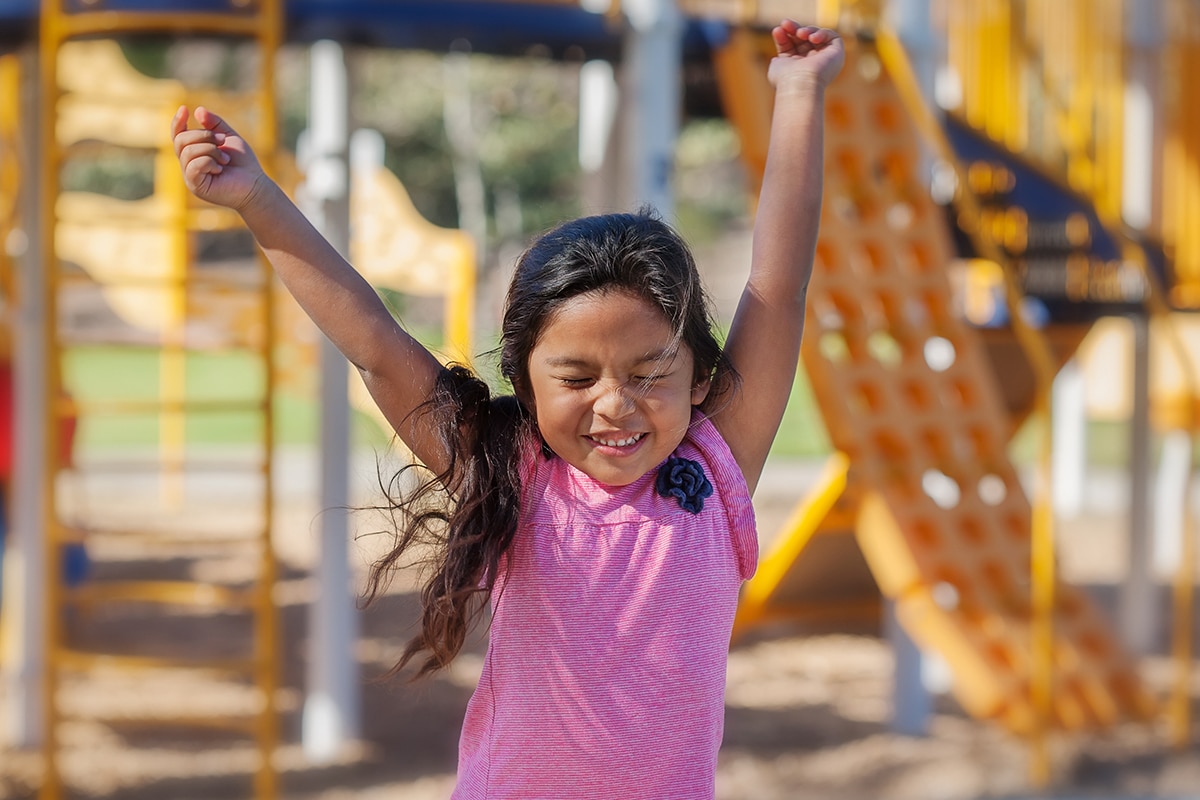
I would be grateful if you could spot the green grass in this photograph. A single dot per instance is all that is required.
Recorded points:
(1108, 444)
(802, 431)
(130, 374)
(111, 373)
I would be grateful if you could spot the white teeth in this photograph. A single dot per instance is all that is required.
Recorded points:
(619, 442)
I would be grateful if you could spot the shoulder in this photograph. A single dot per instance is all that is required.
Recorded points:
(704, 440)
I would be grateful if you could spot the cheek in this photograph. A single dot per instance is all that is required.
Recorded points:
(668, 401)
(552, 405)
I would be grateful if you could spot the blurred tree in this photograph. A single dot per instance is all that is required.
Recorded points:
(523, 115)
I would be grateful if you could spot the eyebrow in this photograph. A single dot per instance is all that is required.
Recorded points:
(660, 355)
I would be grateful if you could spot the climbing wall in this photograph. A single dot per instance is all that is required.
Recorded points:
(909, 399)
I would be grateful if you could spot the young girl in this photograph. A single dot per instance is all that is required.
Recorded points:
(604, 508)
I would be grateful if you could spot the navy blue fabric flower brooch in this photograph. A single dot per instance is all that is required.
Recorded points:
(684, 480)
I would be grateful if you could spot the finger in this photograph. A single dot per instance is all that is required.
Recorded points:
(179, 125)
(188, 140)
(806, 33)
(203, 149)
(822, 36)
(212, 122)
(787, 38)
(179, 121)
(197, 171)
(783, 41)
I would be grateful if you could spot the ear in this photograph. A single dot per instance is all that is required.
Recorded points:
(700, 390)
(523, 393)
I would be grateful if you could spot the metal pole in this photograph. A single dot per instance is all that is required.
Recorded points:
(911, 699)
(912, 21)
(598, 103)
(1141, 174)
(653, 50)
(24, 561)
(1144, 39)
(1137, 618)
(331, 707)
(1068, 406)
(1170, 501)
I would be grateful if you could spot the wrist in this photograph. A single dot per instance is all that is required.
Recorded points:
(803, 87)
(261, 192)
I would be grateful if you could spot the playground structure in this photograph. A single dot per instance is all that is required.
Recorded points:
(921, 502)
(925, 483)
(921, 405)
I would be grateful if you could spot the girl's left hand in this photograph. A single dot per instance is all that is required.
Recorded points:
(805, 54)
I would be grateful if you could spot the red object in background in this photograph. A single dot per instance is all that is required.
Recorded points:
(66, 431)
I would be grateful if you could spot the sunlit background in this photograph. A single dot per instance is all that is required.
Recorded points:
(977, 545)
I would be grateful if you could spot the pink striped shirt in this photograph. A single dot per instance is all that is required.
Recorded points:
(605, 670)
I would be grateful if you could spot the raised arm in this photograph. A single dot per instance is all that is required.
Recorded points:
(220, 167)
(764, 340)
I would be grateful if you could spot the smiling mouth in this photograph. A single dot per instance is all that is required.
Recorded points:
(618, 442)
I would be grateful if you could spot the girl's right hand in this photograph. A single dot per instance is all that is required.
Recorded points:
(218, 165)
(805, 54)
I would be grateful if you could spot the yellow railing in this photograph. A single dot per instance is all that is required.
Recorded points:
(1043, 78)
(10, 180)
(1181, 150)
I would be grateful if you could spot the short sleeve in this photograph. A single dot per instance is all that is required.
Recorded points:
(732, 489)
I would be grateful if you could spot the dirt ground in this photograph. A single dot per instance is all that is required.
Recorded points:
(806, 716)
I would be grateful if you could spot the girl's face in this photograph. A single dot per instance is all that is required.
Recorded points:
(611, 394)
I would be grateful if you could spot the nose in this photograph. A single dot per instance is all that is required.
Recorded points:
(614, 402)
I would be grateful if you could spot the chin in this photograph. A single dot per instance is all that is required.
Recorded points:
(613, 477)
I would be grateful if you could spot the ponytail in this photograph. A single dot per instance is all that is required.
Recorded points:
(467, 515)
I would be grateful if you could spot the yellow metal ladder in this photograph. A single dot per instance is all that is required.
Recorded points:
(166, 548)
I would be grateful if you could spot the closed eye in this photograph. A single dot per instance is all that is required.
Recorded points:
(576, 382)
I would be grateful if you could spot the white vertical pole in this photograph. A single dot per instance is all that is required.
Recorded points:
(913, 23)
(1171, 497)
(598, 102)
(597, 109)
(911, 700)
(653, 50)
(23, 562)
(1142, 157)
(1144, 36)
(331, 706)
(1136, 604)
(1068, 456)
(458, 119)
